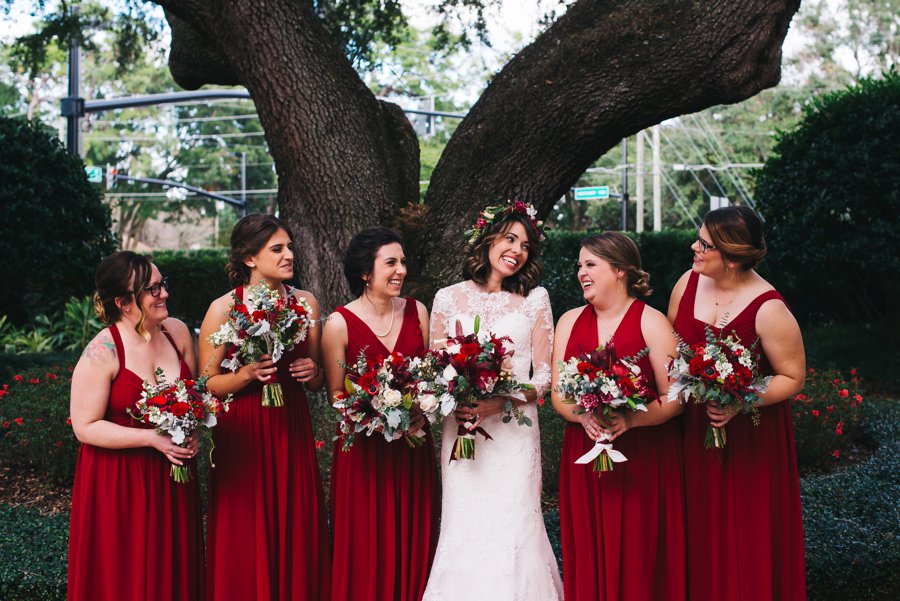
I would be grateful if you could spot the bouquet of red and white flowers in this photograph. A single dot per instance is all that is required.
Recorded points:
(178, 409)
(601, 381)
(265, 323)
(474, 367)
(378, 395)
(722, 371)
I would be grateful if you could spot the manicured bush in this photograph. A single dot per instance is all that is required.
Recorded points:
(196, 278)
(55, 226)
(827, 420)
(34, 422)
(830, 195)
(33, 554)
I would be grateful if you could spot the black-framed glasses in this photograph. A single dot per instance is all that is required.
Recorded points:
(705, 246)
(156, 289)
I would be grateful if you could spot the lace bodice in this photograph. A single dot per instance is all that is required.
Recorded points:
(527, 320)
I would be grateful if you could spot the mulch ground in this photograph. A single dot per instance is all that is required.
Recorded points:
(23, 487)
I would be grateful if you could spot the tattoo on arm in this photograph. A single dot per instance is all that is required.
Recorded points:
(100, 347)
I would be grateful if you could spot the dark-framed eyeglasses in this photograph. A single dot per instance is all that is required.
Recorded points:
(705, 246)
(156, 289)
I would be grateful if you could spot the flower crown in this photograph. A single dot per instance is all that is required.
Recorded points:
(494, 214)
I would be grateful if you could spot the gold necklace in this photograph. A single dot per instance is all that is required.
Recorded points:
(366, 314)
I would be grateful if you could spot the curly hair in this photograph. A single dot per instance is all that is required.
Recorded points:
(737, 232)
(477, 264)
(621, 252)
(121, 275)
(248, 237)
(359, 259)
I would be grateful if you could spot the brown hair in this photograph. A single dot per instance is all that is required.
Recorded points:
(621, 252)
(737, 233)
(248, 237)
(477, 265)
(122, 275)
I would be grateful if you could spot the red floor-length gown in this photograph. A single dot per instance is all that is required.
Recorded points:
(267, 532)
(383, 495)
(623, 533)
(134, 532)
(745, 533)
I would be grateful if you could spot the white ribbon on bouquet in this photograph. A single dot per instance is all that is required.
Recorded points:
(600, 446)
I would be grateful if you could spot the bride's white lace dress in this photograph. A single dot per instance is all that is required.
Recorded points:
(493, 545)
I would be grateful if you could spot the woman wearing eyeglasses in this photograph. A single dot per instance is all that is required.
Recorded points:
(266, 534)
(134, 533)
(744, 529)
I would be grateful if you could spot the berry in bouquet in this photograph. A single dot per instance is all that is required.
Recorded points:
(178, 409)
(721, 371)
(476, 367)
(602, 381)
(377, 397)
(265, 323)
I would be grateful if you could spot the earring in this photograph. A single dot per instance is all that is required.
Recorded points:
(252, 265)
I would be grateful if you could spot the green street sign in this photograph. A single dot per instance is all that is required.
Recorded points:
(94, 174)
(596, 192)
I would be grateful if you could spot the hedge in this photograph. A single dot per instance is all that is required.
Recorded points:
(33, 554)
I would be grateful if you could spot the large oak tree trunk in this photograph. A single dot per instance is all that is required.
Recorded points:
(603, 71)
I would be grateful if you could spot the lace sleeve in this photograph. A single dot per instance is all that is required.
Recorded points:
(440, 309)
(541, 341)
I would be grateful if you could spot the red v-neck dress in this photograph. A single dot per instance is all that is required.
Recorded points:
(134, 532)
(623, 533)
(266, 525)
(744, 528)
(383, 495)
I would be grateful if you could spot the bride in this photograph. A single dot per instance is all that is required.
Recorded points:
(493, 545)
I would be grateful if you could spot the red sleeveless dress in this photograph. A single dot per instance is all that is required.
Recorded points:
(744, 528)
(383, 495)
(134, 532)
(267, 536)
(623, 534)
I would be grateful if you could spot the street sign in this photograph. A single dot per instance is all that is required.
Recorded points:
(596, 192)
(94, 174)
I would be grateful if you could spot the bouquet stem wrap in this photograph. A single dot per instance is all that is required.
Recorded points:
(716, 438)
(603, 456)
(464, 447)
(272, 395)
(180, 473)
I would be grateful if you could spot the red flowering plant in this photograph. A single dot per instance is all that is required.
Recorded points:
(827, 419)
(377, 398)
(264, 323)
(602, 381)
(474, 367)
(34, 427)
(719, 370)
(178, 409)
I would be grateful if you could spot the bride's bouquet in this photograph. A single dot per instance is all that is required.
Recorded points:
(378, 395)
(178, 409)
(475, 367)
(265, 323)
(722, 371)
(602, 381)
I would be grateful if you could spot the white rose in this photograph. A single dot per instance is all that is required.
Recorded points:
(428, 403)
(392, 398)
(449, 373)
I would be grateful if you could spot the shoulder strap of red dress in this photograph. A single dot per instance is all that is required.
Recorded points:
(239, 293)
(120, 348)
(171, 341)
(690, 295)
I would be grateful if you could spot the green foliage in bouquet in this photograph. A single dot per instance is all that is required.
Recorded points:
(56, 228)
(35, 428)
(827, 420)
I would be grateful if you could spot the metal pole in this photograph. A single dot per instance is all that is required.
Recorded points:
(639, 184)
(71, 108)
(624, 184)
(244, 178)
(657, 182)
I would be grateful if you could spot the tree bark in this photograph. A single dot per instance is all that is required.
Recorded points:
(345, 161)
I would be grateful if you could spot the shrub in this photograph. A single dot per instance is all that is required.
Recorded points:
(55, 226)
(34, 422)
(830, 195)
(827, 420)
(68, 330)
(196, 278)
(33, 554)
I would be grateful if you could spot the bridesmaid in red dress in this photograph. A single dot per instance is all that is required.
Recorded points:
(267, 534)
(623, 533)
(744, 529)
(383, 494)
(127, 512)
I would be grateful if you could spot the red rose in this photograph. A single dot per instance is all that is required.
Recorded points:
(470, 349)
(157, 401)
(815, 412)
(584, 367)
(18, 421)
(481, 222)
(242, 308)
(620, 371)
(180, 409)
(259, 316)
(843, 393)
(18, 378)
